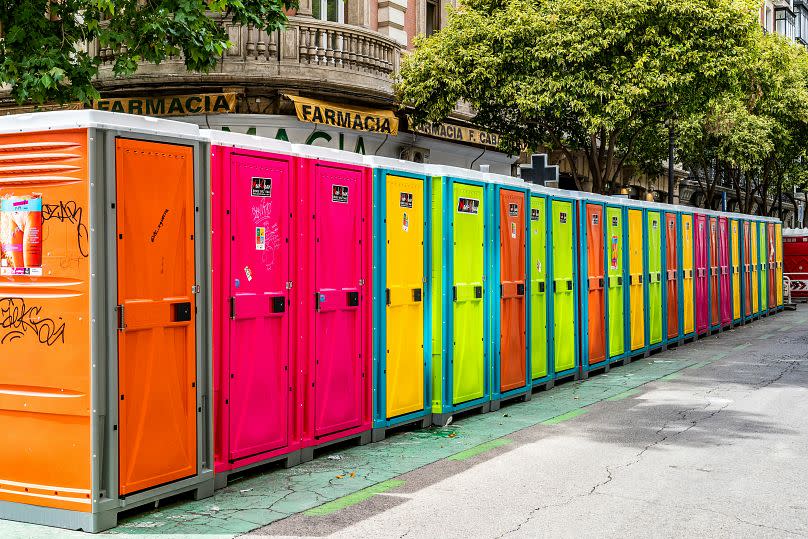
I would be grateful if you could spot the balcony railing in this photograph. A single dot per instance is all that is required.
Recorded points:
(307, 51)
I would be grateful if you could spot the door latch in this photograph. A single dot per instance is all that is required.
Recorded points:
(196, 289)
(121, 319)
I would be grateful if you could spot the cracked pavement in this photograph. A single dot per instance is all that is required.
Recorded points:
(710, 438)
(718, 448)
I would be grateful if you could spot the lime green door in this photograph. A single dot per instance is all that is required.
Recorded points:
(614, 222)
(538, 287)
(763, 273)
(563, 287)
(468, 360)
(654, 277)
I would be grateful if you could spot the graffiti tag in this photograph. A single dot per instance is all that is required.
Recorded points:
(159, 225)
(72, 213)
(18, 320)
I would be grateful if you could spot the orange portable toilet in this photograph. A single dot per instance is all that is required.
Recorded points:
(103, 218)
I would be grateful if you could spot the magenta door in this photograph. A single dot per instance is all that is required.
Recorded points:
(338, 259)
(700, 242)
(259, 323)
(724, 276)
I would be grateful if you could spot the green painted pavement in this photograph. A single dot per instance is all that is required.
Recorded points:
(564, 417)
(353, 499)
(480, 449)
(352, 474)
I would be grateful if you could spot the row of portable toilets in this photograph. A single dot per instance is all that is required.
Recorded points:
(180, 304)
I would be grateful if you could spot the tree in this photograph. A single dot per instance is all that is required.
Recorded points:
(42, 42)
(752, 136)
(575, 76)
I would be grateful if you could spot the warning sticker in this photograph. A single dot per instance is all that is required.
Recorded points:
(405, 223)
(534, 214)
(595, 218)
(513, 230)
(614, 252)
(562, 218)
(405, 200)
(655, 224)
(615, 221)
(260, 238)
(261, 187)
(247, 273)
(339, 193)
(513, 210)
(671, 225)
(468, 205)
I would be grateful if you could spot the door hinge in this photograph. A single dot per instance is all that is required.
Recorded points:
(196, 289)
(232, 308)
(289, 285)
(361, 282)
(121, 319)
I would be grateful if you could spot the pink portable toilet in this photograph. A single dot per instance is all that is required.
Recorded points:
(700, 258)
(333, 240)
(257, 418)
(725, 297)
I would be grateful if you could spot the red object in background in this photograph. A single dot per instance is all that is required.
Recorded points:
(795, 261)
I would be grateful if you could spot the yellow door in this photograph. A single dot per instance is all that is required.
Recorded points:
(755, 284)
(405, 308)
(636, 286)
(687, 273)
(735, 253)
(778, 253)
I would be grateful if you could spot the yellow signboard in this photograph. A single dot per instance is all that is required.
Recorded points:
(345, 116)
(171, 105)
(459, 134)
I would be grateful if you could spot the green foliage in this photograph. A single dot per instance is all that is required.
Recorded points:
(42, 51)
(578, 76)
(753, 136)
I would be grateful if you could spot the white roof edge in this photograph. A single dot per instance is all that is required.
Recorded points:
(328, 154)
(792, 232)
(82, 119)
(249, 142)
(391, 163)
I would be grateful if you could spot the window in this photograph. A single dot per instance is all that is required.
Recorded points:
(784, 21)
(767, 19)
(432, 17)
(801, 21)
(328, 10)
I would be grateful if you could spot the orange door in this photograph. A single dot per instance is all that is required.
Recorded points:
(595, 280)
(672, 263)
(513, 349)
(156, 340)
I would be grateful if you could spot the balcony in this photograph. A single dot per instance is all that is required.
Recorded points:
(307, 54)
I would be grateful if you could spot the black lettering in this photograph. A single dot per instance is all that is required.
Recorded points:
(175, 106)
(306, 111)
(135, 106)
(221, 104)
(191, 107)
(117, 106)
(72, 213)
(155, 107)
(329, 116)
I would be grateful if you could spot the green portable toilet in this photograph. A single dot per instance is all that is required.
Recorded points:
(538, 334)
(460, 363)
(653, 277)
(563, 276)
(616, 297)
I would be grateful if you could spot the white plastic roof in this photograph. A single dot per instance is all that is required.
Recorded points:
(795, 232)
(73, 119)
(248, 142)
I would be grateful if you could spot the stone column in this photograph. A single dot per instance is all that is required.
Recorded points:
(392, 16)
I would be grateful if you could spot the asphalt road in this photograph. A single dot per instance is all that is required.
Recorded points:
(719, 449)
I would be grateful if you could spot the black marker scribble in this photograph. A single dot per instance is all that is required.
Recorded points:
(18, 319)
(69, 212)
(159, 226)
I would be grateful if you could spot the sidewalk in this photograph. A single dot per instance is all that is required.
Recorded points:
(351, 475)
